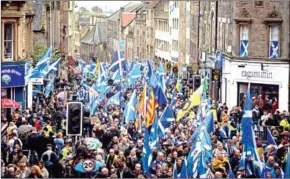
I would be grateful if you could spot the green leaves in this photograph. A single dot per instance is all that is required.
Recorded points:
(38, 52)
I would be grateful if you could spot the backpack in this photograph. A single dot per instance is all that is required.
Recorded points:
(16, 141)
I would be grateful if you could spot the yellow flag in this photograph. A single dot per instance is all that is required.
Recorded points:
(98, 66)
(177, 86)
(194, 100)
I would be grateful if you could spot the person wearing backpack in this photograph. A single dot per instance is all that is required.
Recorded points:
(13, 141)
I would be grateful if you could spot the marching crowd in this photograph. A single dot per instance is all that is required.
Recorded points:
(36, 145)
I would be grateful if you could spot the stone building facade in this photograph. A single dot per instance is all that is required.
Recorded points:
(263, 22)
(16, 25)
(140, 33)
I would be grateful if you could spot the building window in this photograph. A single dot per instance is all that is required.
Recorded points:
(174, 45)
(259, 3)
(174, 23)
(166, 5)
(274, 42)
(244, 41)
(8, 41)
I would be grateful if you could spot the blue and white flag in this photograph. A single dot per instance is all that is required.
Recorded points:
(115, 100)
(244, 48)
(135, 74)
(49, 87)
(166, 119)
(274, 50)
(129, 113)
(51, 67)
(200, 155)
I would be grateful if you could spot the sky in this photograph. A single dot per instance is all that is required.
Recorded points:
(105, 5)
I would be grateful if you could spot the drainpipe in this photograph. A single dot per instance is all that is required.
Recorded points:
(198, 22)
(289, 62)
(216, 25)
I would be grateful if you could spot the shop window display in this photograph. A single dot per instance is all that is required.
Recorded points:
(264, 95)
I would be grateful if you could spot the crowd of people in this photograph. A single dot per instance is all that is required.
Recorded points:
(36, 144)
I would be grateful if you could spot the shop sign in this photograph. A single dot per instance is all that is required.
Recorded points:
(265, 74)
(36, 81)
(12, 76)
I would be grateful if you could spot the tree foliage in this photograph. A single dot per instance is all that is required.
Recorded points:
(82, 11)
(38, 52)
(97, 9)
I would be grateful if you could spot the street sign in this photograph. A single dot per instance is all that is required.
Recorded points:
(36, 81)
(88, 165)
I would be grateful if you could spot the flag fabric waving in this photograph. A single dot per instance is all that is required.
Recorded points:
(151, 109)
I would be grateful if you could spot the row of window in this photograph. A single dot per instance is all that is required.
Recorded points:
(273, 41)
(174, 23)
(161, 25)
(162, 45)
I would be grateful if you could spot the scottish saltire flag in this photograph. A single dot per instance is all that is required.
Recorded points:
(200, 154)
(116, 76)
(95, 101)
(115, 100)
(51, 67)
(270, 138)
(248, 137)
(134, 74)
(166, 119)
(118, 62)
(147, 155)
(81, 64)
(49, 87)
(225, 132)
(162, 83)
(154, 133)
(209, 122)
(129, 113)
(244, 48)
(274, 50)
(160, 96)
(44, 59)
(161, 71)
(41, 64)
(150, 74)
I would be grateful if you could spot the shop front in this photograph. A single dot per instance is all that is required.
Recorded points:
(268, 83)
(13, 83)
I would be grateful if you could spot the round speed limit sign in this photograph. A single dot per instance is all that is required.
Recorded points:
(88, 165)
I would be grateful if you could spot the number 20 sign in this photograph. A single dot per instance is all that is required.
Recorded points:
(88, 165)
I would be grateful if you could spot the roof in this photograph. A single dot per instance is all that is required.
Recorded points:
(130, 7)
(127, 18)
(37, 8)
(152, 4)
(98, 34)
(162, 15)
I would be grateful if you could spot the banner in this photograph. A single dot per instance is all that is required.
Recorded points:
(12, 76)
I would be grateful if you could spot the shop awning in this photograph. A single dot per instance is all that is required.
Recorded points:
(9, 103)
